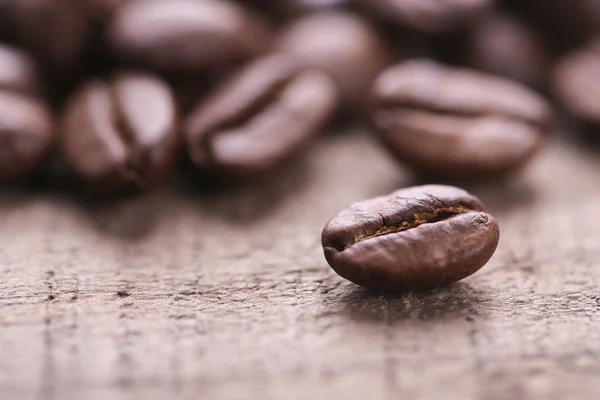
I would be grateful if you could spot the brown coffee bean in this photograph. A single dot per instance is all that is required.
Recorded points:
(184, 35)
(502, 44)
(576, 84)
(18, 72)
(427, 16)
(413, 239)
(343, 45)
(457, 122)
(122, 134)
(26, 134)
(259, 120)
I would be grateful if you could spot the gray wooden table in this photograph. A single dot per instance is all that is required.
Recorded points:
(184, 296)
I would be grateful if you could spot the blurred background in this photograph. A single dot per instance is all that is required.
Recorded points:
(52, 51)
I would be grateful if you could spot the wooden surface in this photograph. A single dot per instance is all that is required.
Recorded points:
(183, 295)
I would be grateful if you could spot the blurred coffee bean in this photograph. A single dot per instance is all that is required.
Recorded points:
(184, 35)
(26, 134)
(343, 45)
(259, 120)
(121, 135)
(427, 16)
(294, 7)
(455, 122)
(18, 72)
(502, 44)
(565, 23)
(576, 84)
(56, 31)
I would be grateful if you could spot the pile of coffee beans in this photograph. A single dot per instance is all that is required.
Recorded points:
(114, 96)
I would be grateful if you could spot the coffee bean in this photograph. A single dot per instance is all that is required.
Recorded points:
(456, 122)
(260, 120)
(427, 16)
(121, 134)
(343, 45)
(413, 239)
(18, 72)
(576, 83)
(502, 44)
(26, 134)
(184, 35)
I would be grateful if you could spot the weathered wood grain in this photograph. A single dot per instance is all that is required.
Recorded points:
(227, 296)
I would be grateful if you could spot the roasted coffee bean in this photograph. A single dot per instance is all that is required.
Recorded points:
(576, 83)
(413, 239)
(259, 120)
(18, 71)
(26, 134)
(456, 122)
(184, 35)
(121, 135)
(502, 44)
(343, 45)
(427, 16)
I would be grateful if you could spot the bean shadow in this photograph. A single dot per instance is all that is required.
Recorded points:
(578, 134)
(126, 219)
(129, 219)
(243, 203)
(13, 196)
(458, 301)
(132, 218)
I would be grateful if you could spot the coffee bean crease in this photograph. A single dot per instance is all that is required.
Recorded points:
(438, 215)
